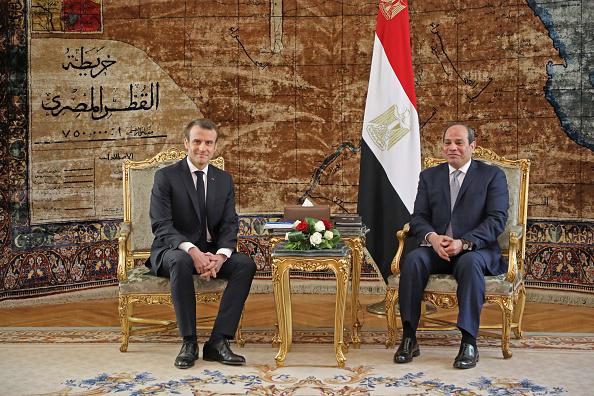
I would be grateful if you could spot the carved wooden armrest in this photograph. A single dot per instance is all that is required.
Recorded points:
(516, 233)
(401, 236)
(122, 242)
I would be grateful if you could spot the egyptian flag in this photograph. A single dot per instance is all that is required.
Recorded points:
(390, 148)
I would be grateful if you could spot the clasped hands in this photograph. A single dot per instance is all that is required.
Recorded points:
(445, 246)
(207, 264)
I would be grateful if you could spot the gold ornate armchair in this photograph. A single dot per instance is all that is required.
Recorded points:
(136, 284)
(506, 290)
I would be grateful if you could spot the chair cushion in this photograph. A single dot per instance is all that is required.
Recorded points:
(447, 284)
(142, 281)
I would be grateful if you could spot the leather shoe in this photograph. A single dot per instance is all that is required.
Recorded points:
(187, 355)
(467, 356)
(408, 349)
(219, 351)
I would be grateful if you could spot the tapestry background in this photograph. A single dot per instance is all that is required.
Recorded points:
(286, 80)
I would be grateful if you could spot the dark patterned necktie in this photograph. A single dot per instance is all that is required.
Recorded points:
(202, 208)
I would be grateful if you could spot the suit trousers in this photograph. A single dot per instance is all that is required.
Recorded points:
(469, 270)
(239, 271)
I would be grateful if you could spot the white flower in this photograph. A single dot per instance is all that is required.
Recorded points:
(286, 236)
(319, 226)
(296, 223)
(315, 238)
(328, 235)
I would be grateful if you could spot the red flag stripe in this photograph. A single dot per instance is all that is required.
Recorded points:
(394, 34)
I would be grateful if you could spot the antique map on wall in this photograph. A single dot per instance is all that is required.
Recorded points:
(286, 81)
(91, 83)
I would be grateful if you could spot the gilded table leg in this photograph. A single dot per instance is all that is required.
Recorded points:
(285, 276)
(276, 337)
(280, 312)
(357, 250)
(342, 278)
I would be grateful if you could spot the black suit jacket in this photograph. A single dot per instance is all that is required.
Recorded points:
(479, 214)
(174, 210)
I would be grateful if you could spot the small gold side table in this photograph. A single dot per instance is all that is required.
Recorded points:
(283, 260)
(353, 237)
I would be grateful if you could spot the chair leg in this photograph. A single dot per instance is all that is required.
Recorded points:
(391, 299)
(238, 335)
(124, 308)
(519, 312)
(507, 311)
(423, 314)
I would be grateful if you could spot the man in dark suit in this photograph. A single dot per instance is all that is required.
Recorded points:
(460, 210)
(195, 225)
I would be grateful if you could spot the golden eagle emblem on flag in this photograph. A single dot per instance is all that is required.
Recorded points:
(389, 127)
(391, 8)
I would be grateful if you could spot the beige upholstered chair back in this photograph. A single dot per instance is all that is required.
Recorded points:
(138, 182)
(516, 172)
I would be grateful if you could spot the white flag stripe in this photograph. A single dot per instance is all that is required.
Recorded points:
(402, 162)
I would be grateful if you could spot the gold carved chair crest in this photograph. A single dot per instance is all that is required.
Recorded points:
(136, 284)
(506, 291)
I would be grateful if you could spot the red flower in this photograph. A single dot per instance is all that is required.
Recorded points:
(302, 226)
(327, 224)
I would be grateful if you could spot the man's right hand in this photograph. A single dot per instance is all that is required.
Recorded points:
(201, 260)
(439, 244)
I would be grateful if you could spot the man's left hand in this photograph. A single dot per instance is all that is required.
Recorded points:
(454, 248)
(215, 264)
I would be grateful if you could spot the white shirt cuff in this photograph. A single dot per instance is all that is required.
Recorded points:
(427, 243)
(225, 251)
(186, 246)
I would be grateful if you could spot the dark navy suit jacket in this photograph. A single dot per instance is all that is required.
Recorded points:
(479, 214)
(175, 215)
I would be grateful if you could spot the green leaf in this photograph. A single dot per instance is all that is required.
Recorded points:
(296, 236)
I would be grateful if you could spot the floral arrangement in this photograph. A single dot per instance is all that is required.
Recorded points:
(310, 233)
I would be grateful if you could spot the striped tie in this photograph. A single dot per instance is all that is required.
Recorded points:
(454, 190)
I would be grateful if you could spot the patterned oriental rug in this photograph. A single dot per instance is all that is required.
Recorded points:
(80, 361)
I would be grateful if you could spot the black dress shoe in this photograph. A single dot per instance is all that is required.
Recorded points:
(467, 356)
(219, 351)
(408, 349)
(187, 355)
